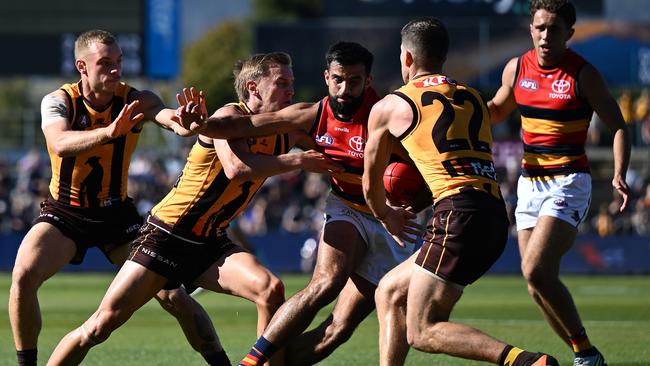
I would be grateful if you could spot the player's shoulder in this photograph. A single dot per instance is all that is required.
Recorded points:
(393, 108)
(56, 95)
(393, 103)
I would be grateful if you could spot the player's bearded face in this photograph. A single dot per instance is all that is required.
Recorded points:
(347, 107)
(347, 86)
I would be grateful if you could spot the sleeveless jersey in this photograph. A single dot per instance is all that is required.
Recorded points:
(344, 141)
(97, 177)
(449, 138)
(554, 118)
(204, 201)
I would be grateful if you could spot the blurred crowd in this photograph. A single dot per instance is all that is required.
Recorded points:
(636, 113)
(293, 202)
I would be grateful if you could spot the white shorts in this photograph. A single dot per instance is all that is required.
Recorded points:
(565, 197)
(383, 253)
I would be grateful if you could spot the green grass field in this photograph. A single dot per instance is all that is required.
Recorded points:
(616, 312)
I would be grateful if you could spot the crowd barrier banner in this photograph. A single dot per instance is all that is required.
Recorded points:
(281, 253)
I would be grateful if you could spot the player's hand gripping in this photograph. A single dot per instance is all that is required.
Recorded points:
(400, 223)
(192, 112)
(124, 121)
(314, 161)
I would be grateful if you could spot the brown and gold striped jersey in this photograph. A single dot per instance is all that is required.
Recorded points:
(204, 201)
(97, 177)
(449, 138)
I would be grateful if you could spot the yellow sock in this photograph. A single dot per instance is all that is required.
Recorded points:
(511, 356)
(580, 342)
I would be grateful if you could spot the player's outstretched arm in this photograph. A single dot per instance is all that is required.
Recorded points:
(503, 102)
(153, 109)
(595, 91)
(298, 116)
(240, 164)
(58, 132)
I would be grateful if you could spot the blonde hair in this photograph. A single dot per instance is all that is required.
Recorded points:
(254, 68)
(86, 39)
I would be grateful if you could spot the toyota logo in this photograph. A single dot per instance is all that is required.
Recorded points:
(357, 143)
(561, 86)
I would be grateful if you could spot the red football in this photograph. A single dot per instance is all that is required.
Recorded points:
(403, 182)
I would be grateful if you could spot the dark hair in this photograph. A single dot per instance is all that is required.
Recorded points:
(427, 40)
(562, 8)
(255, 68)
(349, 53)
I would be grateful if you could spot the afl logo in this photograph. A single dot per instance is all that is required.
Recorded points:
(561, 86)
(528, 84)
(326, 139)
(357, 143)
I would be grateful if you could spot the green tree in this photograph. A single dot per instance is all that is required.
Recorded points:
(208, 63)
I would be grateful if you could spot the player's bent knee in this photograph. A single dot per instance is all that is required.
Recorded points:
(535, 276)
(387, 294)
(174, 301)
(24, 279)
(89, 337)
(276, 291)
(412, 337)
(165, 300)
(95, 332)
(269, 292)
(100, 326)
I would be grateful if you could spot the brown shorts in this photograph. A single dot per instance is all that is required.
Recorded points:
(179, 260)
(464, 238)
(105, 227)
